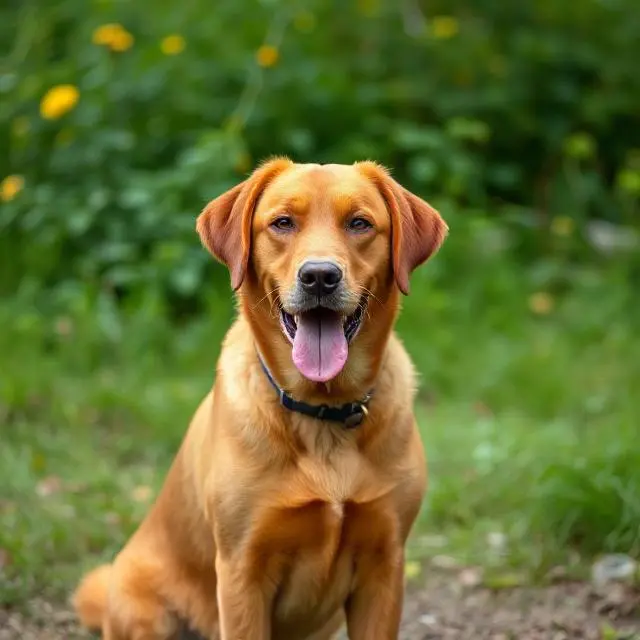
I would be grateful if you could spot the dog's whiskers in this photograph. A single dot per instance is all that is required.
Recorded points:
(369, 293)
(253, 308)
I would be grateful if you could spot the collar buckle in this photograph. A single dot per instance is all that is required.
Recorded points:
(358, 414)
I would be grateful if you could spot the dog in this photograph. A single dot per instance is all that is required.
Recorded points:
(287, 509)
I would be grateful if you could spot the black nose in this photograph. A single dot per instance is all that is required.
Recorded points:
(319, 278)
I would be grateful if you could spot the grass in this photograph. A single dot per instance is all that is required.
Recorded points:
(529, 419)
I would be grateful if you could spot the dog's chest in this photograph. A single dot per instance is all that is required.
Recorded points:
(306, 531)
(337, 522)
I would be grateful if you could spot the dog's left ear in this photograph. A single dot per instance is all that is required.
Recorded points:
(417, 229)
(224, 225)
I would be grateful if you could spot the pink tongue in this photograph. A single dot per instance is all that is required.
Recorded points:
(320, 348)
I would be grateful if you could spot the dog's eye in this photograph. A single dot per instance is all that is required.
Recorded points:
(359, 225)
(283, 223)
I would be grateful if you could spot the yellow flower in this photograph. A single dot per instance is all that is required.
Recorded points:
(541, 303)
(412, 569)
(444, 27)
(562, 226)
(122, 41)
(172, 45)
(105, 33)
(58, 101)
(114, 36)
(267, 55)
(10, 187)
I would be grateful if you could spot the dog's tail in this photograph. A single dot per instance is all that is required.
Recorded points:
(90, 598)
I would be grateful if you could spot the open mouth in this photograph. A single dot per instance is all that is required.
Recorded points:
(320, 339)
(350, 324)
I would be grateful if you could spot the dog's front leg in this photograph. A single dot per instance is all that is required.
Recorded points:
(375, 606)
(244, 607)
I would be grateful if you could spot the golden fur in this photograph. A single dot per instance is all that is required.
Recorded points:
(272, 525)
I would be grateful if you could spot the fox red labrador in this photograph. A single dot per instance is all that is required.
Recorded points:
(287, 509)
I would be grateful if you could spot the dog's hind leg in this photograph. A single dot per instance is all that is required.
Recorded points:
(136, 607)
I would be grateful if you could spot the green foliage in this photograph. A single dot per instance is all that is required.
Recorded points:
(474, 103)
(529, 421)
(519, 121)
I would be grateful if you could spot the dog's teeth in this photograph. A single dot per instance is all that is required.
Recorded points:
(296, 318)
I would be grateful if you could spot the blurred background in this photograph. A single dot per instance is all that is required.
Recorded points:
(519, 121)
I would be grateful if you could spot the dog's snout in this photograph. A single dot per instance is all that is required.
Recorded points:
(319, 278)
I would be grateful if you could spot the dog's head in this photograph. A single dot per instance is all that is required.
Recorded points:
(327, 246)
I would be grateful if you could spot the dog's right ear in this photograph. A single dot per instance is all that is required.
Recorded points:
(224, 225)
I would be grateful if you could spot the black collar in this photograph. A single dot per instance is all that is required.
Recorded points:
(350, 414)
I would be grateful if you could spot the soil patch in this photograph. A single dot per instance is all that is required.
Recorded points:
(441, 609)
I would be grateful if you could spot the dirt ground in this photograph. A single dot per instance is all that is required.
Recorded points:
(443, 609)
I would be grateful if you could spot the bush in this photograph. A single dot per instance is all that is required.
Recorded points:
(519, 120)
(121, 119)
